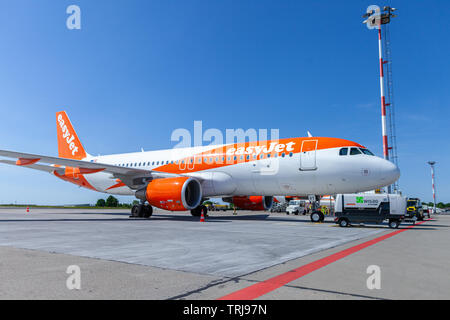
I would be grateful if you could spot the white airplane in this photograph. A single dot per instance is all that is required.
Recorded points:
(251, 172)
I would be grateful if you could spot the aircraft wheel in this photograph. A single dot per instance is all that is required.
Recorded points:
(136, 211)
(197, 212)
(147, 211)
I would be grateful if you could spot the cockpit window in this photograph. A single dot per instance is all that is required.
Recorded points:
(366, 151)
(354, 151)
(343, 152)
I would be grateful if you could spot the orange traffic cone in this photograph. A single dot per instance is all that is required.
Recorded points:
(28, 209)
(202, 218)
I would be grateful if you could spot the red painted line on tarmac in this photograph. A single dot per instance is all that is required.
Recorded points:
(264, 287)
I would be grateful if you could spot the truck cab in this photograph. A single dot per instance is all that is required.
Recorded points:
(296, 207)
(414, 210)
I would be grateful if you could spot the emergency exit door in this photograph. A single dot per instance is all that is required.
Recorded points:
(308, 155)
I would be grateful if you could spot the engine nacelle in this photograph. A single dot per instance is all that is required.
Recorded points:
(254, 203)
(174, 194)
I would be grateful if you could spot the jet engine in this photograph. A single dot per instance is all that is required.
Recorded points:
(173, 194)
(254, 203)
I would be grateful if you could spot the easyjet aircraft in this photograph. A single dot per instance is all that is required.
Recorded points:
(178, 179)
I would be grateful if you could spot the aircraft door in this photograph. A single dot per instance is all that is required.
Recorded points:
(191, 162)
(308, 155)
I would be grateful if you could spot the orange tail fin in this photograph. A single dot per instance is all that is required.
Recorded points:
(69, 146)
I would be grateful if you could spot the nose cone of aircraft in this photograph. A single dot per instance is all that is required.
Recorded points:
(389, 172)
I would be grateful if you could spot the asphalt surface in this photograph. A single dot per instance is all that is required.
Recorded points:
(174, 256)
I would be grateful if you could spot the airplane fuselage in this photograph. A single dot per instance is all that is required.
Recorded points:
(297, 166)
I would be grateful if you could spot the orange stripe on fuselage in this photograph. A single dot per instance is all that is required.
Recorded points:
(250, 149)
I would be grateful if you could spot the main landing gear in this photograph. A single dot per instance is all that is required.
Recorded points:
(141, 210)
(197, 212)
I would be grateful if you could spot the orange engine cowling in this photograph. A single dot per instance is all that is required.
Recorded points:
(253, 202)
(174, 194)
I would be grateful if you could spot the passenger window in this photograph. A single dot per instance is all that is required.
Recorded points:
(283, 154)
(343, 152)
(354, 151)
(291, 154)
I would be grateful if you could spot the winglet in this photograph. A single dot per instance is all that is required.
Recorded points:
(69, 146)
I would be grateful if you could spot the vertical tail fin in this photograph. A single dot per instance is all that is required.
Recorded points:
(69, 146)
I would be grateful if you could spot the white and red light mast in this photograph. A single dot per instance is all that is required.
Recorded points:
(432, 163)
(375, 19)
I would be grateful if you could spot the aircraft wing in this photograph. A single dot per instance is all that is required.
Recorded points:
(132, 177)
(32, 166)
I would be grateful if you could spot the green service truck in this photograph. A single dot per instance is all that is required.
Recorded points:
(369, 208)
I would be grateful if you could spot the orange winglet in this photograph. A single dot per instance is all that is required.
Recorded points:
(26, 162)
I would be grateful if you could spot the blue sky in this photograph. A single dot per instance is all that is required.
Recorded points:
(137, 70)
